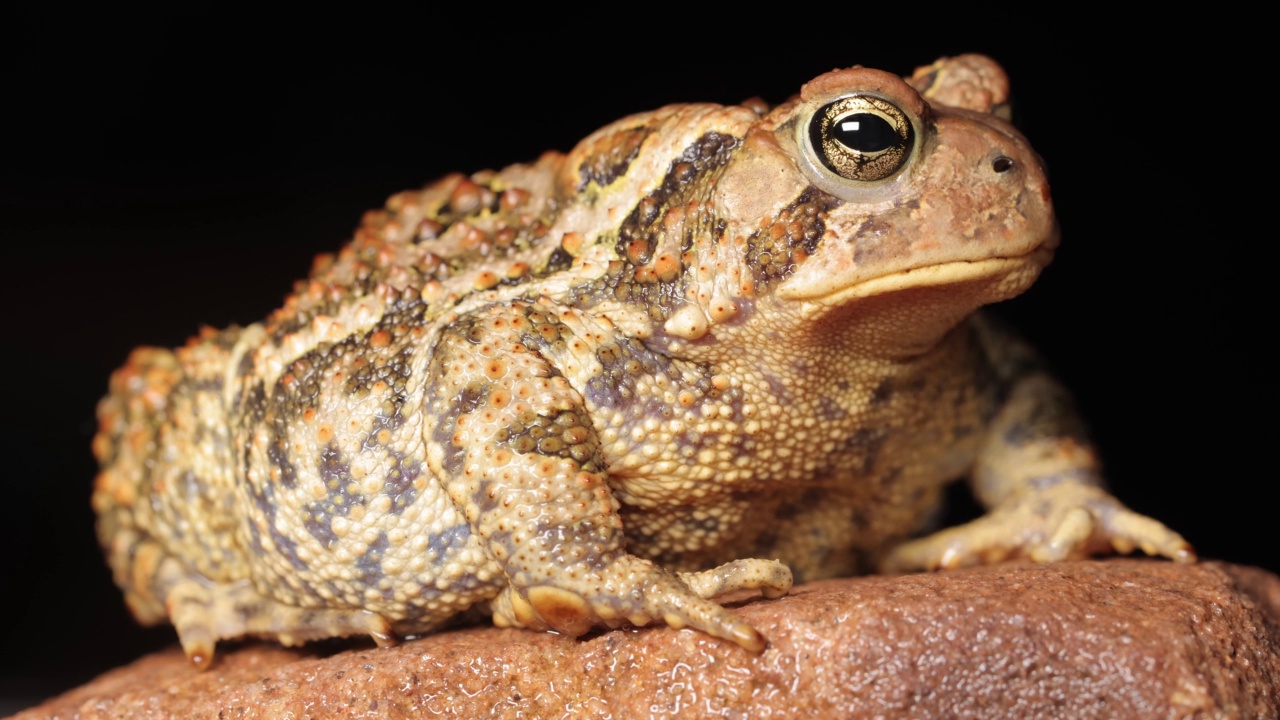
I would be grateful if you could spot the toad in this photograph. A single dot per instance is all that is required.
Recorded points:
(711, 348)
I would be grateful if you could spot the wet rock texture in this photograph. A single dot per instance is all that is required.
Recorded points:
(1109, 639)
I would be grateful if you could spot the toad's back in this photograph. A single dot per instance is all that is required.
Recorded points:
(583, 391)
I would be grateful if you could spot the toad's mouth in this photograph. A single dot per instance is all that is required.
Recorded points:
(998, 278)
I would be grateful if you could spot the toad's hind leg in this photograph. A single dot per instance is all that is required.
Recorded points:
(517, 447)
(204, 612)
(165, 503)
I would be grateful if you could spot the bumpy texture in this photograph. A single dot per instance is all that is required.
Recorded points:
(588, 391)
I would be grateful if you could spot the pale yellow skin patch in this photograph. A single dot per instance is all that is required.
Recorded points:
(690, 357)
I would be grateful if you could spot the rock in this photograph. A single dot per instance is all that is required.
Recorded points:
(1095, 639)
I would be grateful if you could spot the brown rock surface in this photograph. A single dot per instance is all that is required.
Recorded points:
(1113, 639)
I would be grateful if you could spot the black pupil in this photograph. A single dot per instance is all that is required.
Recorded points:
(864, 132)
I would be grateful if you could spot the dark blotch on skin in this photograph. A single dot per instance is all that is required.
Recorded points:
(333, 469)
(813, 497)
(470, 399)
(253, 407)
(617, 153)
(399, 483)
(278, 455)
(245, 367)
(830, 410)
(865, 442)
(776, 250)
(867, 239)
(706, 155)
(547, 434)
(789, 511)
(467, 401)
(624, 364)
(1051, 419)
(1077, 476)
(335, 473)
(317, 523)
(686, 184)
(255, 538)
(882, 393)
(765, 544)
(560, 259)
(394, 371)
(370, 563)
(265, 500)
(446, 541)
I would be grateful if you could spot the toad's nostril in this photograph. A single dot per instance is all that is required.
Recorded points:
(1002, 164)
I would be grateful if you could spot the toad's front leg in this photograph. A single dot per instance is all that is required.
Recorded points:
(520, 456)
(1040, 479)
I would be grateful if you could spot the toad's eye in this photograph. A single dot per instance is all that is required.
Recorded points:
(861, 137)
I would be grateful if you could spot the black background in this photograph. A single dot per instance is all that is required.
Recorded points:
(162, 172)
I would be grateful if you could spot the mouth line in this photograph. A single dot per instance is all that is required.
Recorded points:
(947, 273)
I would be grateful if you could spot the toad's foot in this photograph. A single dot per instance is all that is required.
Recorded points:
(1065, 520)
(635, 590)
(204, 613)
